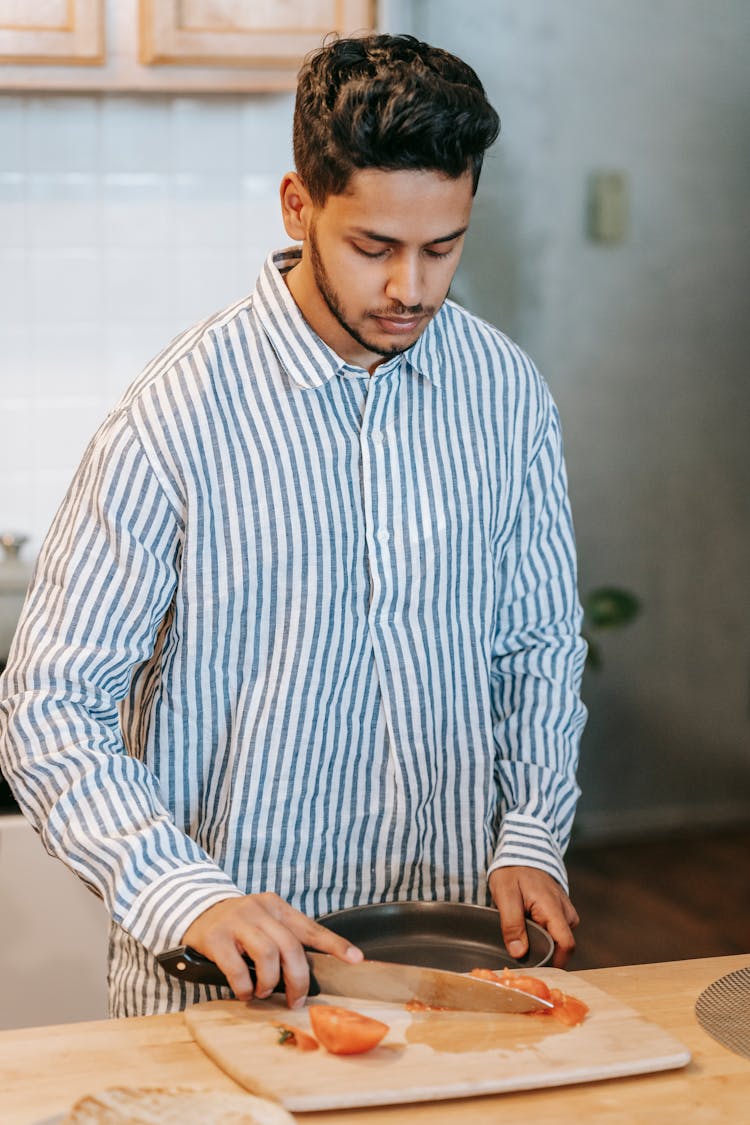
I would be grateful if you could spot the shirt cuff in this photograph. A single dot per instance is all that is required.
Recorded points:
(162, 912)
(524, 842)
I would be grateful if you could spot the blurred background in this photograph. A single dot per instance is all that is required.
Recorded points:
(610, 239)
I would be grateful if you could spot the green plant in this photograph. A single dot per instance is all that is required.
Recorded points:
(607, 607)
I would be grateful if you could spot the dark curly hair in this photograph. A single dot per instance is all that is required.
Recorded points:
(389, 102)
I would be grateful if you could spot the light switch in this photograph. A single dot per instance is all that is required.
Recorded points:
(607, 206)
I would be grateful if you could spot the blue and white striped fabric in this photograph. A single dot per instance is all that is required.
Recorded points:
(300, 629)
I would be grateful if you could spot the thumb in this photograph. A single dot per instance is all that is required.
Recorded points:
(515, 939)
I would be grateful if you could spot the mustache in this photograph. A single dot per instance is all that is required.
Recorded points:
(402, 310)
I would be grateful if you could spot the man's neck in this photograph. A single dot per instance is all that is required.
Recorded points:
(301, 284)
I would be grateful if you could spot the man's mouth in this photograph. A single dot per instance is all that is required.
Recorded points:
(398, 322)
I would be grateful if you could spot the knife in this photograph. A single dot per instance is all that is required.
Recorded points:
(373, 980)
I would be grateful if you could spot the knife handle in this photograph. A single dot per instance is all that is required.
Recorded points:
(190, 965)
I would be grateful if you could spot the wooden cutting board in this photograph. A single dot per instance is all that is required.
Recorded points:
(432, 1055)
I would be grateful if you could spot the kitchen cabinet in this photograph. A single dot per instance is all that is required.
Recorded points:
(67, 32)
(228, 33)
(53, 936)
(166, 45)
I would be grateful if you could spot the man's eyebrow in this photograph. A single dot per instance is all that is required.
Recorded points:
(360, 232)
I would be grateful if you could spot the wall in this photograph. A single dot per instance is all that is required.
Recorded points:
(645, 346)
(122, 221)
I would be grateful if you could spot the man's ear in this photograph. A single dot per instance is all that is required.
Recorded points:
(296, 207)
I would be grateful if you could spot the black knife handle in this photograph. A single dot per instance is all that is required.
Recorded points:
(190, 965)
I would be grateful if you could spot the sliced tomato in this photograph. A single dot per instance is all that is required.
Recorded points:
(510, 979)
(343, 1032)
(486, 974)
(532, 985)
(568, 1009)
(295, 1037)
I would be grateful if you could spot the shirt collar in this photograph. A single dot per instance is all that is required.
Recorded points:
(307, 358)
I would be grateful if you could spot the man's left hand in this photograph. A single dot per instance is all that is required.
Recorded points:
(519, 892)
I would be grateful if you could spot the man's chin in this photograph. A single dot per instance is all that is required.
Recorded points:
(389, 353)
(387, 347)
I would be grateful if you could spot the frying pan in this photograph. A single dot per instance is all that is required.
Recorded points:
(458, 936)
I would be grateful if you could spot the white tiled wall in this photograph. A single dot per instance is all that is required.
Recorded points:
(122, 221)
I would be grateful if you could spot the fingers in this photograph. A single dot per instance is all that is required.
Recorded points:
(217, 934)
(522, 891)
(512, 908)
(562, 934)
(276, 950)
(309, 932)
(272, 933)
(227, 951)
(561, 920)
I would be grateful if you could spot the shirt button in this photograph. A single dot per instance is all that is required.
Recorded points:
(378, 437)
(382, 536)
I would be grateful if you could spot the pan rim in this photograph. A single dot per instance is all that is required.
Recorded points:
(541, 945)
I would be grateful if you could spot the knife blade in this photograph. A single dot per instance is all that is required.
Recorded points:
(385, 981)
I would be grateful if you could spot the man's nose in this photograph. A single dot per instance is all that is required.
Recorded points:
(404, 284)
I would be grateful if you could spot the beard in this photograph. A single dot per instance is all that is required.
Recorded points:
(333, 303)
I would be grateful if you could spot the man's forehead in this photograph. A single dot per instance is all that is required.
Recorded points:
(390, 203)
(378, 179)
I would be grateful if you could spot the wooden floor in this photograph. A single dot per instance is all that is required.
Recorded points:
(661, 900)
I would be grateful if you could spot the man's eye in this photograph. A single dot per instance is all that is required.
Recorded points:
(439, 253)
(370, 253)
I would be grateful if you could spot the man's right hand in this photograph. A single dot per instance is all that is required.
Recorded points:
(273, 934)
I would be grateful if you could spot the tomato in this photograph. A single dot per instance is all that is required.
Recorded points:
(567, 1009)
(295, 1037)
(532, 985)
(419, 1006)
(343, 1032)
(486, 974)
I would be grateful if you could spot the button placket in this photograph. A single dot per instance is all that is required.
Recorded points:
(379, 539)
(375, 477)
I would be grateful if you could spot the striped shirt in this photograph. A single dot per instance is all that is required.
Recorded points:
(302, 629)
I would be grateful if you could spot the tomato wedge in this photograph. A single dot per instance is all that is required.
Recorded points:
(295, 1037)
(343, 1032)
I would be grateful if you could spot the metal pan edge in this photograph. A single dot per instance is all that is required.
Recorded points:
(439, 935)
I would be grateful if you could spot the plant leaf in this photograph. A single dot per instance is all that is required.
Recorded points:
(609, 607)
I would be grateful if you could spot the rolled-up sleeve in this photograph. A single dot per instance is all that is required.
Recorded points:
(538, 661)
(101, 593)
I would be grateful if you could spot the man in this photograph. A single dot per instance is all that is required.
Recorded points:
(304, 633)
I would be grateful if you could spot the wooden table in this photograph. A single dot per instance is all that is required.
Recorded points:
(43, 1070)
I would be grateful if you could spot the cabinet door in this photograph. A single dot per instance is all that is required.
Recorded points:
(52, 31)
(269, 33)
